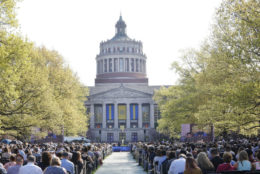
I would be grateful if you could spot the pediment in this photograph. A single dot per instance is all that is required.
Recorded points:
(122, 92)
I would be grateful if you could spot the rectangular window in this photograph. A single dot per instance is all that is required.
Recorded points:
(157, 114)
(115, 65)
(132, 65)
(110, 65)
(98, 113)
(105, 64)
(127, 65)
(101, 67)
(121, 65)
(144, 64)
(134, 137)
(110, 137)
(141, 65)
(122, 136)
(137, 65)
(146, 113)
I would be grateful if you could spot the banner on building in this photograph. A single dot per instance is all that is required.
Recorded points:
(98, 112)
(146, 113)
(122, 112)
(134, 112)
(110, 111)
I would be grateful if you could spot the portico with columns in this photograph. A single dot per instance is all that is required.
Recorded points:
(121, 105)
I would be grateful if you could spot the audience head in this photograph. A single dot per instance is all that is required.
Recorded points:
(31, 158)
(46, 158)
(243, 156)
(214, 152)
(227, 157)
(203, 161)
(65, 155)
(12, 157)
(190, 164)
(55, 161)
(19, 159)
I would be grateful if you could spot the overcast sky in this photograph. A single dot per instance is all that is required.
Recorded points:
(75, 29)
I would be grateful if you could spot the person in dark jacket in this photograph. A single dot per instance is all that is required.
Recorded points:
(216, 160)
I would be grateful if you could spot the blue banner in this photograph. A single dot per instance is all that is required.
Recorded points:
(134, 112)
(110, 111)
(121, 149)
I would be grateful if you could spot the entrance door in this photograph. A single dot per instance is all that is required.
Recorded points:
(134, 137)
(110, 137)
(122, 136)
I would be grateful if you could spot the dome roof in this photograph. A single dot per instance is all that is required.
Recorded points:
(121, 31)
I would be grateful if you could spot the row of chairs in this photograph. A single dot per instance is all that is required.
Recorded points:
(148, 166)
(89, 168)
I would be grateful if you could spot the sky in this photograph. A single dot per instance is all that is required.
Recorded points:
(76, 28)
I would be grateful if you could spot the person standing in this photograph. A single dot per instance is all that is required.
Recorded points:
(30, 167)
(178, 165)
(65, 163)
(55, 167)
(15, 169)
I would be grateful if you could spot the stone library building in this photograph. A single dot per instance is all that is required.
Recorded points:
(121, 105)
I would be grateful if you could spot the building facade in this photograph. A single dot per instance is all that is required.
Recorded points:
(121, 105)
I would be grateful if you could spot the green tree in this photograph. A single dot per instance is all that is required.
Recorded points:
(222, 76)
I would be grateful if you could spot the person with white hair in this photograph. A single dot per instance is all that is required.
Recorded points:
(178, 165)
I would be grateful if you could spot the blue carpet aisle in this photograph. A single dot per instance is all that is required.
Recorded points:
(120, 163)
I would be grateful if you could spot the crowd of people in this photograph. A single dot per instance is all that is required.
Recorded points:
(50, 158)
(225, 156)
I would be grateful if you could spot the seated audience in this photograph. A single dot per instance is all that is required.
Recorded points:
(191, 167)
(226, 166)
(243, 164)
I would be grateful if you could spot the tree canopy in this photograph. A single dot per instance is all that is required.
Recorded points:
(37, 88)
(220, 82)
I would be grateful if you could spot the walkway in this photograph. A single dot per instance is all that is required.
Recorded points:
(120, 163)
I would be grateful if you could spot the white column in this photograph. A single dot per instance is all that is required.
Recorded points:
(127, 115)
(140, 117)
(151, 115)
(104, 116)
(92, 121)
(116, 116)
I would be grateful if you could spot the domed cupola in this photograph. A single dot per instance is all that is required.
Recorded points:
(120, 28)
(121, 59)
